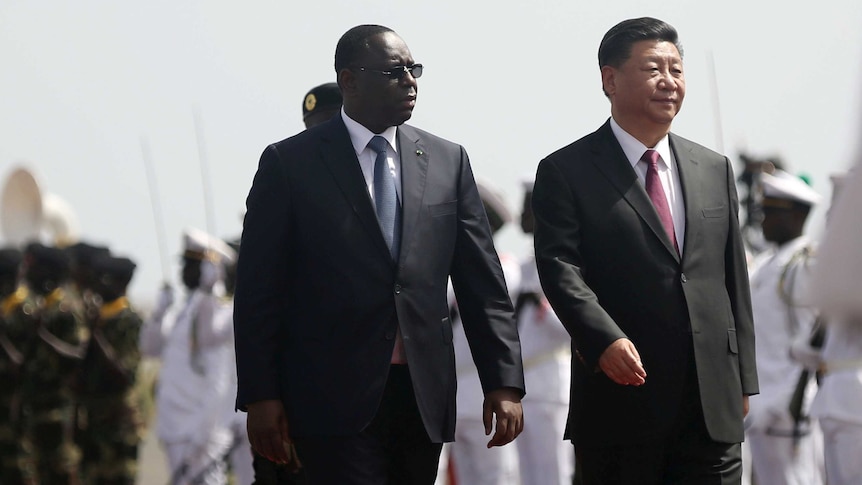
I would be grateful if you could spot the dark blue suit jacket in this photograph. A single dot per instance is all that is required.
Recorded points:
(318, 295)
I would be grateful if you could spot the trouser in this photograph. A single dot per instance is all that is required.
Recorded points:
(191, 464)
(394, 448)
(56, 456)
(443, 466)
(475, 464)
(16, 460)
(779, 459)
(544, 458)
(843, 450)
(109, 439)
(685, 455)
(241, 458)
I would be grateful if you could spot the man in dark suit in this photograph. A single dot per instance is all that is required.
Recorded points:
(343, 339)
(644, 264)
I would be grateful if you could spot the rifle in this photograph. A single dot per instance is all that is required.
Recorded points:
(797, 400)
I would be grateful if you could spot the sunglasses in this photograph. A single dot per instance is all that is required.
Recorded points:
(398, 72)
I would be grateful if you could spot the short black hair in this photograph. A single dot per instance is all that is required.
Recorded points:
(353, 42)
(616, 45)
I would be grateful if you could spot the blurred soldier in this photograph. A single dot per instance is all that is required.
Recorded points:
(544, 457)
(50, 366)
(109, 415)
(836, 284)
(785, 448)
(239, 455)
(81, 255)
(475, 463)
(194, 374)
(320, 104)
(17, 330)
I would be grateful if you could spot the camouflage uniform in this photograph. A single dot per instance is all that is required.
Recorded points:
(110, 422)
(47, 390)
(17, 332)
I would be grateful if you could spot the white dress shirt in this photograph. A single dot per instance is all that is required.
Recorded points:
(360, 136)
(668, 174)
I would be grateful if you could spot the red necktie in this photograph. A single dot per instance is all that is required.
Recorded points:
(656, 195)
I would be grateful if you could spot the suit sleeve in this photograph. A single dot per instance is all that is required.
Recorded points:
(557, 238)
(480, 288)
(736, 281)
(261, 288)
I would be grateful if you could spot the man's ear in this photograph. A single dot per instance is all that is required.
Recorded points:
(347, 82)
(609, 80)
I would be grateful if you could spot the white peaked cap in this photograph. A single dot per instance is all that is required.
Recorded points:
(210, 247)
(493, 199)
(782, 185)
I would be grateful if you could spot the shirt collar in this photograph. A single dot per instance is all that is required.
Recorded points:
(634, 149)
(360, 135)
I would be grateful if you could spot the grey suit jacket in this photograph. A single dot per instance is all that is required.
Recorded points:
(610, 271)
(318, 296)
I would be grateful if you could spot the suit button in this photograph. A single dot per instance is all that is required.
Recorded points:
(683, 278)
(397, 289)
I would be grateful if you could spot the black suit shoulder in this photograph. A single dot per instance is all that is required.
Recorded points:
(426, 140)
(305, 138)
(418, 133)
(697, 150)
(570, 152)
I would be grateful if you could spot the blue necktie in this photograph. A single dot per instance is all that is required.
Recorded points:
(385, 197)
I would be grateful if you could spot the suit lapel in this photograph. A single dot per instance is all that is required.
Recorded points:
(691, 181)
(612, 162)
(340, 158)
(414, 168)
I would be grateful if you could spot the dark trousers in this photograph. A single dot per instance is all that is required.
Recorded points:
(687, 455)
(393, 450)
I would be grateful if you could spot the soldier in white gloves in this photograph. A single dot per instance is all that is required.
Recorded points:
(195, 375)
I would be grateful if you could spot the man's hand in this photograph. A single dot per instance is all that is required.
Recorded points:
(505, 403)
(163, 301)
(622, 363)
(744, 406)
(268, 431)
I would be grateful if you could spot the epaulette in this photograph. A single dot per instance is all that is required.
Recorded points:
(13, 301)
(112, 309)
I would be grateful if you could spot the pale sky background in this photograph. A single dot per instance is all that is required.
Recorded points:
(82, 82)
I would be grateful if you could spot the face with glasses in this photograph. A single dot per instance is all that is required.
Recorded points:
(380, 86)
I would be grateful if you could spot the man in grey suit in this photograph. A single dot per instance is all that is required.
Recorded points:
(343, 339)
(639, 253)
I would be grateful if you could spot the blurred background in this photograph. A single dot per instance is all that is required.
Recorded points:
(87, 88)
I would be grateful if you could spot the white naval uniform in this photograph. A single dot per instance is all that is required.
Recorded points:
(241, 458)
(838, 404)
(474, 463)
(781, 316)
(544, 457)
(190, 420)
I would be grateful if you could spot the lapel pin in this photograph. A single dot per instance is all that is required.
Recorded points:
(419, 152)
